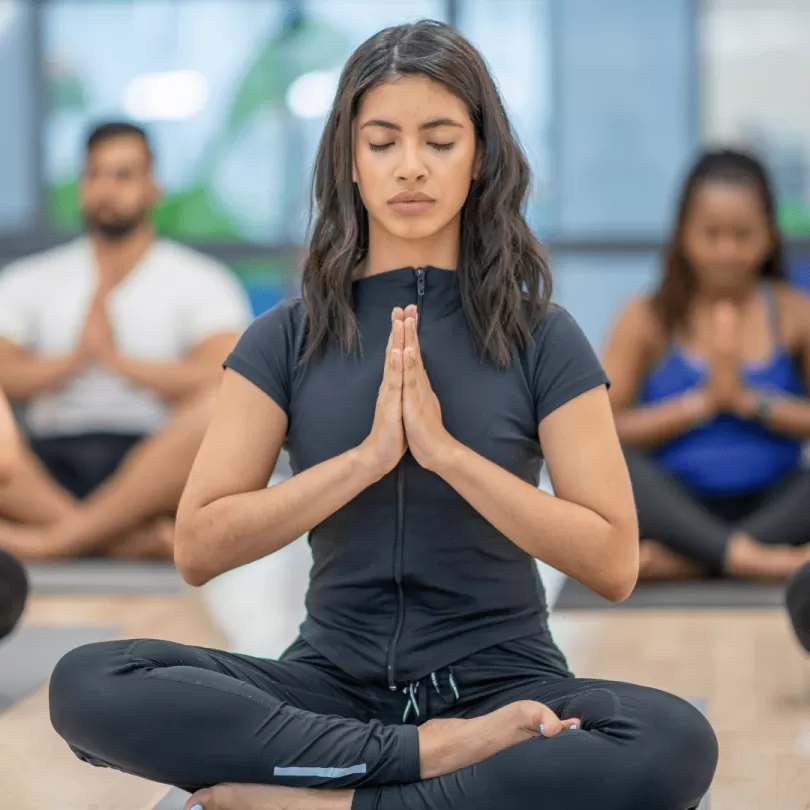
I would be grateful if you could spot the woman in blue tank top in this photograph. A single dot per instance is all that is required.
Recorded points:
(709, 388)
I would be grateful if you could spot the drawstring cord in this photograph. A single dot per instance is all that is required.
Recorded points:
(411, 691)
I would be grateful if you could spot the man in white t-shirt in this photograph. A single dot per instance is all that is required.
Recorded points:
(112, 346)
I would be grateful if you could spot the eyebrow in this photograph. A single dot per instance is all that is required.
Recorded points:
(438, 122)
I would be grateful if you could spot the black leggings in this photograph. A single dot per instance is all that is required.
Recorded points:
(195, 717)
(699, 527)
(13, 592)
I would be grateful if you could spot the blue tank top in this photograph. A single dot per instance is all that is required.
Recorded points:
(727, 455)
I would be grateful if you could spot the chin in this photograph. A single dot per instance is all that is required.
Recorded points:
(413, 228)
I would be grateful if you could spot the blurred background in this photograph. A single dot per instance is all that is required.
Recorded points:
(611, 100)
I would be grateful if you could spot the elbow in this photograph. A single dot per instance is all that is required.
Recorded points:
(621, 568)
(190, 557)
(9, 456)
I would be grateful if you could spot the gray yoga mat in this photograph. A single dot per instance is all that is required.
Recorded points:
(100, 575)
(175, 799)
(710, 593)
(28, 657)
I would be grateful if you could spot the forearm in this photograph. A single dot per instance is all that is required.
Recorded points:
(569, 537)
(238, 529)
(173, 380)
(26, 377)
(783, 414)
(651, 425)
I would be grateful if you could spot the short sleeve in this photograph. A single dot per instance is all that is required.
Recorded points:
(565, 363)
(18, 291)
(265, 353)
(218, 303)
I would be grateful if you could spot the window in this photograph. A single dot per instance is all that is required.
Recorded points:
(18, 141)
(756, 58)
(515, 38)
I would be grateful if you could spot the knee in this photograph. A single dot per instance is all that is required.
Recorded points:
(82, 687)
(680, 750)
(13, 592)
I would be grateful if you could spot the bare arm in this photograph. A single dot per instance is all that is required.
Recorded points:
(788, 415)
(23, 375)
(589, 529)
(9, 441)
(627, 357)
(177, 380)
(229, 517)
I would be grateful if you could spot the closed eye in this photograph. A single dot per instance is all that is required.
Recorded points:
(379, 147)
(442, 147)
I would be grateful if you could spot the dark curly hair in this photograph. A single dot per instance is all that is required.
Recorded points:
(503, 274)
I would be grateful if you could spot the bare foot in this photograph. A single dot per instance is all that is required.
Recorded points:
(446, 746)
(153, 541)
(748, 559)
(268, 797)
(658, 563)
(32, 542)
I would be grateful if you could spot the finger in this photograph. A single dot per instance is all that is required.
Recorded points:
(398, 314)
(571, 724)
(550, 724)
(410, 333)
(395, 377)
(411, 370)
(411, 311)
(399, 335)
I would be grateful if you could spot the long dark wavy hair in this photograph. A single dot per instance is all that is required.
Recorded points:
(672, 298)
(503, 275)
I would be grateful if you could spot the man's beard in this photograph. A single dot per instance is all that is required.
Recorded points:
(115, 229)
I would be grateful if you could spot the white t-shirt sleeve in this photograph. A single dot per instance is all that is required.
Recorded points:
(218, 303)
(18, 297)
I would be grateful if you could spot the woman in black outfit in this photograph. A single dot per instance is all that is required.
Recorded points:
(418, 384)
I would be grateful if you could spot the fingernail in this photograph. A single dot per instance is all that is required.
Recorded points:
(197, 807)
(542, 731)
(572, 728)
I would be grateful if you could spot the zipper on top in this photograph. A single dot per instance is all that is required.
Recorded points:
(399, 551)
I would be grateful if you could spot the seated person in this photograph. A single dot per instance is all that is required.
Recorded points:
(113, 346)
(425, 675)
(709, 378)
(13, 581)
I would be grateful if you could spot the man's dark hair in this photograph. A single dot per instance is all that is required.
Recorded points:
(118, 129)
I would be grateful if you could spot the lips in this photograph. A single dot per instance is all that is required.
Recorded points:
(411, 203)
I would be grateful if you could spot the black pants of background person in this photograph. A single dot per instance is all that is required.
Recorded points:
(195, 717)
(699, 527)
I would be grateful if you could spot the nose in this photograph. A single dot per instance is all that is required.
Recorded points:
(411, 167)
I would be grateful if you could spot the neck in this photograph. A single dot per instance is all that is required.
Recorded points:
(739, 297)
(389, 252)
(116, 258)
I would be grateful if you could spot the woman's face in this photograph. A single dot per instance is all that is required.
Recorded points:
(726, 237)
(414, 153)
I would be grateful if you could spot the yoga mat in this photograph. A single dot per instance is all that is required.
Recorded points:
(28, 656)
(709, 593)
(175, 799)
(101, 575)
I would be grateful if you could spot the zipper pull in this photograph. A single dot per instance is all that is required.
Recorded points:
(420, 281)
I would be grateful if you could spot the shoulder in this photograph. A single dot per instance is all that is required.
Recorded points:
(287, 316)
(557, 324)
(793, 306)
(183, 260)
(638, 315)
(35, 269)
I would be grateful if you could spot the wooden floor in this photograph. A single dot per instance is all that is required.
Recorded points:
(745, 665)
